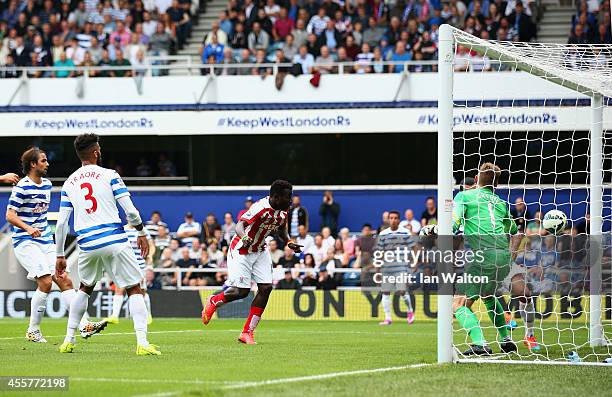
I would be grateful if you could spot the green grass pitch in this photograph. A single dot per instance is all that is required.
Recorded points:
(293, 358)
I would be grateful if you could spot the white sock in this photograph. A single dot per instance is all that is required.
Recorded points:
(386, 302)
(38, 305)
(528, 314)
(78, 306)
(408, 302)
(138, 311)
(117, 304)
(147, 300)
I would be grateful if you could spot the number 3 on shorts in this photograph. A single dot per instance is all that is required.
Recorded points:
(89, 196)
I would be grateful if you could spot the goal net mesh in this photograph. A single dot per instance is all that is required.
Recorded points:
(545, 165)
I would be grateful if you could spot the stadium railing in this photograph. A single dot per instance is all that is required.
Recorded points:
(161, 64)
(294, 272)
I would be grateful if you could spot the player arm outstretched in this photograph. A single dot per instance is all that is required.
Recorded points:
(133, 217)
(9, 178)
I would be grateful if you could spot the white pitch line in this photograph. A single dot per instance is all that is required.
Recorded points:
(204, 330)
(321, 376)
(163, 394)
(168, 381)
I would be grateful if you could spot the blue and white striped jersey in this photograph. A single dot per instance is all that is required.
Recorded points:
(133, 238)
(390, 241)
(93, 191)
(31, 202)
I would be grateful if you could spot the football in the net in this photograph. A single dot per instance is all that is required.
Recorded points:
(554, 222)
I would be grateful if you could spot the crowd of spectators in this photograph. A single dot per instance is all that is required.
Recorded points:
(310, 34)
(69, 33)
(554, 264)
(591, 23)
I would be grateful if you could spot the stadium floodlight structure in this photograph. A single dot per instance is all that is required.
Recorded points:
(575, 174)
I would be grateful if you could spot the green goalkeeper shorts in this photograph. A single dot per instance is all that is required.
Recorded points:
(483, 278)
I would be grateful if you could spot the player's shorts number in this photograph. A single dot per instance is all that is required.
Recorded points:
(89, 196)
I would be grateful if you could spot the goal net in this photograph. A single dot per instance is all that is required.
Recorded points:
(547, 126)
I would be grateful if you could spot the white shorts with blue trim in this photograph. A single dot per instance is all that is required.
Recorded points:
(36, 258)
(244, 269)
(117, 260)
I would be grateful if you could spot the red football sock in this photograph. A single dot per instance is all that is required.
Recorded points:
(253, 319)
(218, 299)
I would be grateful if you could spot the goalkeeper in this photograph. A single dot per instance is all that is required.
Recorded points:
(486, 223)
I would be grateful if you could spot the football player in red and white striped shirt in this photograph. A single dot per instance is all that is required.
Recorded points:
(248, 260)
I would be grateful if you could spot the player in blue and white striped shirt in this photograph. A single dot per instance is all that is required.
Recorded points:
(33, 240)
(92, 195)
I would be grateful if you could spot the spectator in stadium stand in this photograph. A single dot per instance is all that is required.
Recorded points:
(214, 48)
(384, 221)
(131, 50)
(329, 211)
(312, 43)
(410, 223)
(324, 280)
(329, 37)
(222, 245)
(275, 253)
(318, 22)
(88, 62)
(318, 250)
(217, 258)
(377, 61)
(195, 250)
(400, 55)
(208, 226)
(298, 216)
(603, 35)
(63, 62)
(288, 282)
(95, 50)
(20, 52)
(121, 32)
(520, 214)
(342, 57)
(280, 58)
(260, 59)
(9, 70)
(430, 215)
(534, 227)
(104, 62)
(245, 58)
(304, 239)
(348, 244)
(162, 241)
(325, 62)
(229, 227)
(34, 74)
(186, 262)
(258, 38)
(182, 22)
(120, 61)
(290, 48)
(248, 202)
(225, 24)
(282, 26)
(228, 59)
(154, 223)
(328, 240)
(578, 36)
(364, 246)
(238, 38)
(189, 230)
(352, 49)
(522, 23)
(299, 33)
(289, 259)
(152, 281)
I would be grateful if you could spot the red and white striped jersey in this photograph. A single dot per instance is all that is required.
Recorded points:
(262, 220)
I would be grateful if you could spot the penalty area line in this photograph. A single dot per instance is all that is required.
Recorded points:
(322, 376)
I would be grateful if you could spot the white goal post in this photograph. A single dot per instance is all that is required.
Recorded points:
(585, 69)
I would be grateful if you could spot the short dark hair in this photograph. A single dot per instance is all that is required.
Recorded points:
(430, 198)
(396, 212)
(279, 186)
(156, 213)
(366, 225)
(84, 142)
(28, 157)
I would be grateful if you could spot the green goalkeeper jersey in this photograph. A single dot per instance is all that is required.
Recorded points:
(485, 218)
